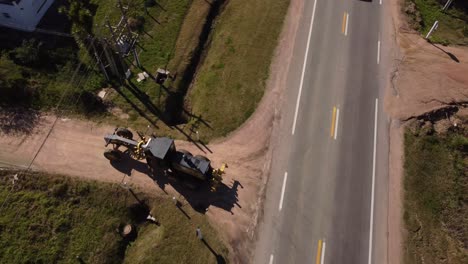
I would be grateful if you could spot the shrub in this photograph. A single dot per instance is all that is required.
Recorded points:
(28, 54)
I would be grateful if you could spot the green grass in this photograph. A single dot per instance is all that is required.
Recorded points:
(453, 24)
(229, 52)
(435, 199)
(52, 219)
(231, 80)
(170, 42)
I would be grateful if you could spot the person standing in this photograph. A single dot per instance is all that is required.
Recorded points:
(199, 234)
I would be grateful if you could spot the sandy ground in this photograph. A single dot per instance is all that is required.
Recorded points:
(426, 77)
(75, 148)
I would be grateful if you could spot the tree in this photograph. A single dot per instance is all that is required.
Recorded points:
(79, 14)
(28, 54)
(12, 82)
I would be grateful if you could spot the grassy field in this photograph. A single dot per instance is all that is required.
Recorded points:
(231, 80)
(227, 46)
(169, 39)
(436, 195)
(54, 219)
(453, 24)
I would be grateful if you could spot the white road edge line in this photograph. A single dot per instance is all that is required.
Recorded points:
(323, 253)
(282, 191)
(336, 122)
(271, 259)
(347, 22)
(303, 68)
(378, 52)
(373, 181)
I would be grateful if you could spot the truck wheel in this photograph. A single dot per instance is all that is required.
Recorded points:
(124, 132)
(201, 157)
(185, 152)
(113, 155)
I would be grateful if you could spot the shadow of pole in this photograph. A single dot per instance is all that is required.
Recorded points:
(134, 106)
(198, 118)
(453, 57)
(182, 210)
(136, 197)
(160, 6)
(144, 99)
(149, 14)
(219, 259)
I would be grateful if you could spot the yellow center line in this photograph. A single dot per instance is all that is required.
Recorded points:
(332, 129)
(319, 252)
(343, 26)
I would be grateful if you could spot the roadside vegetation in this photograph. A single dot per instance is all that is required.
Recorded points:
(36, 69)
(218, 53)
(231, 80)
(453, 23)
(57, 219)
(436, 194)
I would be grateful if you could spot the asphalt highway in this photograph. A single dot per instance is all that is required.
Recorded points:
(327, 193)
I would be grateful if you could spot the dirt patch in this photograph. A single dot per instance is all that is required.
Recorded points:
(426, 76)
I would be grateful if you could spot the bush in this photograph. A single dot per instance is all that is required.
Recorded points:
(28, 54)
(12, 82)
(414, 16)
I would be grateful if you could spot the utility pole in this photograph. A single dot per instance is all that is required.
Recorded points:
(101, 64)
(446, 6)
(130, 35)
(434, 27)
(117, 48)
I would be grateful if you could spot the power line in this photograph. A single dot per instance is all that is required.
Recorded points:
(21, 173)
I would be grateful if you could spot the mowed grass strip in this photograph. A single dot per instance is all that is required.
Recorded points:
(231, 81)
(54, 219)
(435, 198)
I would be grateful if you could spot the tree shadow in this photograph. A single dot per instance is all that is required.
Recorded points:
(453, 57)
(219, 259)
(175, 101)
(18, 121)
(174, 108)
